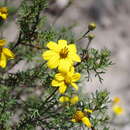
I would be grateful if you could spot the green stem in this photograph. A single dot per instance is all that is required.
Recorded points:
(83, 36)
(51, 95)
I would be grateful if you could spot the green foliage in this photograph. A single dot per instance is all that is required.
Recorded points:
(95, 61)
(29, 91)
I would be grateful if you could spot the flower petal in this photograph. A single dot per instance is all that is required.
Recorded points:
(75, 77)
(72, 48)
(64, 65)
(75, 86)
(74, 57)
(73, 120)
(59, 77)
(88, 110)
(72, 70)
(2, 43)
(118, 110)
(8, 53)
(62, 44)
(62, 88)
(53, 62)
(3, 60)
(4, 16)
(56, 83)
(48, 54)
(87, 122)
(52, 45)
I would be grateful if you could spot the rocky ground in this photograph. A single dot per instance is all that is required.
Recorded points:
(113, 32)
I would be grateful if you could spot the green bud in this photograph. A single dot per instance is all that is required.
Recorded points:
(90, 37)
(91, 26)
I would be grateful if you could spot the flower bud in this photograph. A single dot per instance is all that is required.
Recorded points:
(74, 100)
(91, 26)
(90, 37)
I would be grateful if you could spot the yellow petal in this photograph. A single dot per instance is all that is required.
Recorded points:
(8, 53)
(2, 43)
(72, 48)
(116, 100)
(53, 62)
(73, 120)
(71, 69)
(4, 16)
(48, 54)
(62, 44)
(52, 45)
(74, 100)
(87, 122)
(75, 77)
(88, 110)
(3, 60)
(74, 57)
(56, 83)
(64, 65)
(64, 99)
(74, 86)
(62, 89)
(118, 110)
(59, 77)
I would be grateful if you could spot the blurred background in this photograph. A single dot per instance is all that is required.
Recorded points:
(113, 32)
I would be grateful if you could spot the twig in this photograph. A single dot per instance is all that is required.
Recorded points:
(83, 36)
(51, 95)
(30, 45)
(18, 41)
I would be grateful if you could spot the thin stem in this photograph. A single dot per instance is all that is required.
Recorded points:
(83, 36)
(51, 95)
(93, 128)
(88, 44)
(30, 45)
(18, 41)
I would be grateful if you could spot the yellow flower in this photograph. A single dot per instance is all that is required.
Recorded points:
(81, 117)
(118, 110)
(64, 99)
(116, 100)
(5, 54)
(73, 100)
(61, 55)
(3, 12)
(62, 80)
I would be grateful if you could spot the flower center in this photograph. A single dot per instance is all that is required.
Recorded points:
(78, 116)
(3, 10)
(64, 52)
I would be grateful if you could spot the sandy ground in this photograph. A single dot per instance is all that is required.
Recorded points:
(113, 32)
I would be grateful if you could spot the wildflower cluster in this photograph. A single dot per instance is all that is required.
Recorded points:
(116, 107)
(47, 93)
(62, 56)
